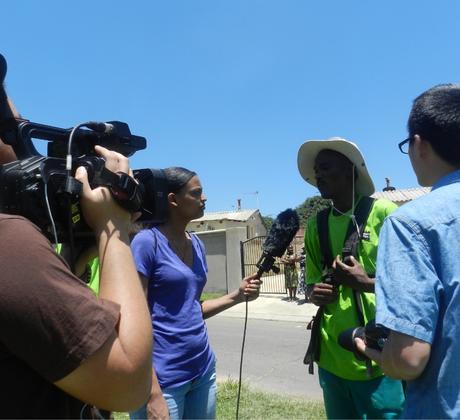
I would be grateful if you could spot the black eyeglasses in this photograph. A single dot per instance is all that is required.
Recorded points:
(404, 145)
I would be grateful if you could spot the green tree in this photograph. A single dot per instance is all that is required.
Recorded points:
(268, 221)
(310, 207)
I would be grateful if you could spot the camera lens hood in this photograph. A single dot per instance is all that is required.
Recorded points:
(346, 339)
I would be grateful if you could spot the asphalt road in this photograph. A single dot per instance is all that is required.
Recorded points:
(274, 351)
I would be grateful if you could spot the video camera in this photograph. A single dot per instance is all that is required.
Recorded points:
(43, 188)
(374, 335)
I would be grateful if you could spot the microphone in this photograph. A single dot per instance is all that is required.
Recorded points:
(101, 127)
(280, 236)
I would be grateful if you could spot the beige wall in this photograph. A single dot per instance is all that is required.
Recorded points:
(223, 257)
(257, 228)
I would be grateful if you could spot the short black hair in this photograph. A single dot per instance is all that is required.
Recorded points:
(435, 116)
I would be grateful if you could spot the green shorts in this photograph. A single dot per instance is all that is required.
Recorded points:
(379, 398)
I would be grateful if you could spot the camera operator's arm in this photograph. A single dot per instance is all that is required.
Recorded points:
(118, 375)
(249, 289)
(402, 357)
(352, 274)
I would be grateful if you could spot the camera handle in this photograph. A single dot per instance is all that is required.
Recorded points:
(124, 189)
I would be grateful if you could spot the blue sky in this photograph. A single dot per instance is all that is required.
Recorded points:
(231, 89)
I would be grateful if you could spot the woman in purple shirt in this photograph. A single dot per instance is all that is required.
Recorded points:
(172, 266)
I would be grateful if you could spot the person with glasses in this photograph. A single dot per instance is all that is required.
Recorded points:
(404, 145)
(418, 271)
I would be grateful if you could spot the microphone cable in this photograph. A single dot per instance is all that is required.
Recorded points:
(241, 359)
(281, 234)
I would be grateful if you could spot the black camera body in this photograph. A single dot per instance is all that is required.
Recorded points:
(44, 190)
(328, 273)
(374, 335)
(328, 277)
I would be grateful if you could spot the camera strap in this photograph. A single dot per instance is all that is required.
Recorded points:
(353, 238)
(350, 247)
(125, 190)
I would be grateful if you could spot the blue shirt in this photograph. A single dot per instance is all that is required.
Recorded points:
(418, 292)
(181, 350)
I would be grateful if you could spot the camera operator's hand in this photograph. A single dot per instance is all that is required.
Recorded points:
(322, 293)
(352, 274)
(100, 210)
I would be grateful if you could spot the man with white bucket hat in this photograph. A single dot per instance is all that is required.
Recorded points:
(341, 250)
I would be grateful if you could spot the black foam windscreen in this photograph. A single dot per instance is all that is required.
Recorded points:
(280, 236)
(3, 68)
(281, 233)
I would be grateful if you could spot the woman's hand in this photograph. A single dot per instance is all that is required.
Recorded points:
(157, 407)
(250, 287)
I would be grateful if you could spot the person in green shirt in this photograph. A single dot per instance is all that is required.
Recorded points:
(350, 390)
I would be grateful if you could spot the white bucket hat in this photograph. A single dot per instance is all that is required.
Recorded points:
(310, 149)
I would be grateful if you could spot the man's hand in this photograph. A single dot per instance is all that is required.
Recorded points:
(322, 293)
(373, 354)
(402, 357)
(352, 274)
(250, 287)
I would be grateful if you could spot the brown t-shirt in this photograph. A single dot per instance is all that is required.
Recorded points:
(50, 322)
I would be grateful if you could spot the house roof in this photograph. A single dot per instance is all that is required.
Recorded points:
(239, 216)
(403, 195)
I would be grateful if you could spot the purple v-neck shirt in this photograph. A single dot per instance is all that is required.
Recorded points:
(181, 350)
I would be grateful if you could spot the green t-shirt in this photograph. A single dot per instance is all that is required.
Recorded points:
(342, 314)
(92, 267)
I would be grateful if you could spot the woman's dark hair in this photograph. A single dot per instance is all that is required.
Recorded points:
(177, 178)
(435, 116)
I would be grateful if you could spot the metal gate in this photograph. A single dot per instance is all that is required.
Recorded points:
(251, 251)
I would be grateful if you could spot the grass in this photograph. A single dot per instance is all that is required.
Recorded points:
(262, 405)
(258, 405)
(209, 295)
